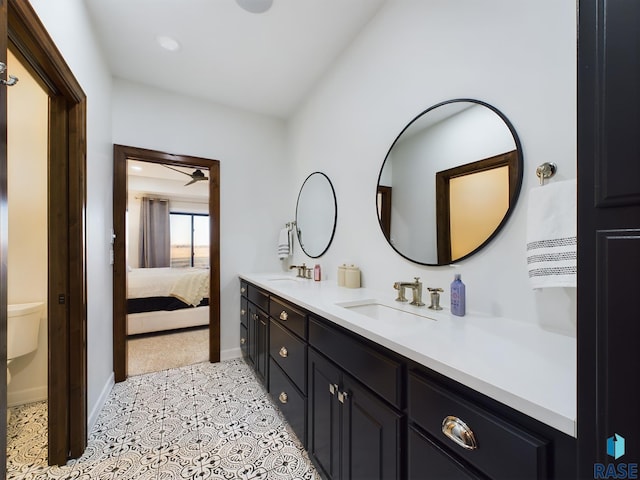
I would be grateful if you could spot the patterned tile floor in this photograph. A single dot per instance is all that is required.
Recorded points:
(205, 421)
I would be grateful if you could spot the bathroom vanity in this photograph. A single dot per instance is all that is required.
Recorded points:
(375, 389)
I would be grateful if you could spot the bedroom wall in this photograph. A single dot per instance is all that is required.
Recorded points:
(254, 175)
(84, 57)
(518, 56)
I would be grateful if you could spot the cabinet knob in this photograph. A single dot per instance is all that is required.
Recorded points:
(333, 388)
(243, 341)
(242, 290)
(283, 397)
(458, 431)
(284, 315)
(342, 396)
(284, 353)
(242, 311)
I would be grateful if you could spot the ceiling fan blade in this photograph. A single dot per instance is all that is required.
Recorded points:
(193, 180)
(176, 170)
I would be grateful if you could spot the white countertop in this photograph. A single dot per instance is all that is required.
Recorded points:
(516, 363)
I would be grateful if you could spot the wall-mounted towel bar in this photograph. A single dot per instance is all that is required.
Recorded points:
(546, 171)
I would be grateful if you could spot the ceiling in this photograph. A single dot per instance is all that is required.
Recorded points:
(260, 62)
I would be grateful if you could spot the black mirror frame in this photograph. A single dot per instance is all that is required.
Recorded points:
(335, 217)
(516, 192)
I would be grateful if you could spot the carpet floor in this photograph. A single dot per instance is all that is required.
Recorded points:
(162, 351)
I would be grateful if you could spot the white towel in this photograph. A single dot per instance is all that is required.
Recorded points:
(551, 235)
(284, 245)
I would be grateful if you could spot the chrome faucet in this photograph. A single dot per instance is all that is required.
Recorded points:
(303, 270)
(416, 288)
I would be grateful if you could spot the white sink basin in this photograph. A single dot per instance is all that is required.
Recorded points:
(285, 278)
(379, 310)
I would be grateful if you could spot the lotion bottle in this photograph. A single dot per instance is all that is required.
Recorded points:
(317, 273)
(458, 300)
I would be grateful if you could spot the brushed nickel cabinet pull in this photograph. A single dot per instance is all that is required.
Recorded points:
(284, 315)
(242, 290)
(243, 341)
(242, 311)
(342, 396)
(333, 388)
(458, 431)
(284, 353)
(283, 397)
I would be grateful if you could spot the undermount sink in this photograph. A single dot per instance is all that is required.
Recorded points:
(284, 278)
(383, 311)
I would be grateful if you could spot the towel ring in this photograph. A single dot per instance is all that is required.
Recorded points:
(546, 171)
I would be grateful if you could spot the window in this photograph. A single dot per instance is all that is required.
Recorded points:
(189, 239)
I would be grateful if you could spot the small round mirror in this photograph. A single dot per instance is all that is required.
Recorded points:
(449, 182)
(316, 214)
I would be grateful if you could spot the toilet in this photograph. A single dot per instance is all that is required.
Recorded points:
(23, 325)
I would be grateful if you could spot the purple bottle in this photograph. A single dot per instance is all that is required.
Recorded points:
(457, 296)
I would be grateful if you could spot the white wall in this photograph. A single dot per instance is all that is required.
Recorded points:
(27, 126)
(517, 56)
(68, 25)
(254, 178)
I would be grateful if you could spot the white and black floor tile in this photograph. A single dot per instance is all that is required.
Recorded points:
(204, 421)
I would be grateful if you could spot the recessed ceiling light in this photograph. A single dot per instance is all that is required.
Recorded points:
(168, 43)
(255, 6)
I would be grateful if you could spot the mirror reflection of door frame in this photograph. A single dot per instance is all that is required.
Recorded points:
(67, 334)
(121, 154)
(384, 209)
(443, 205)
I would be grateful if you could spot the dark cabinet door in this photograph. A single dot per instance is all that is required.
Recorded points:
(608, 230)
(252, 321)
(324, 414)
(262, 345)
(370, 434)
(353, 434)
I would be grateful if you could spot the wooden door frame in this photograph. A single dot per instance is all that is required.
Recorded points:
(67, 299)
(443, 211)
(121, 154)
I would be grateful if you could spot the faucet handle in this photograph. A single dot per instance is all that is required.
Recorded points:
(417, 279)
(435, 298)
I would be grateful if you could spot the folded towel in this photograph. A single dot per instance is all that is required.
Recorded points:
(191, 287)
(551, 235)
(284, 244)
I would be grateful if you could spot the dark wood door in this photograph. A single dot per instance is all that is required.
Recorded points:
(324, 414)
(370, 435)
(608, 230)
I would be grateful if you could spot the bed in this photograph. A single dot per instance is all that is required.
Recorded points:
(166, 299)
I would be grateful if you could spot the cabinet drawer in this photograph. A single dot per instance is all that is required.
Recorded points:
(243, 311)
(258, 297)
(380, 373)
(429, 461)
(290, 353)
(503, 450)
(291, 317)
(244, 340)
(290, 401)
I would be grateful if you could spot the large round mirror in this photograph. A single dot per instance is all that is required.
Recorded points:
(316, 214)
(449, 182)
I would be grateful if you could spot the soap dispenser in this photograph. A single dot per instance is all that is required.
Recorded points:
(458, 300)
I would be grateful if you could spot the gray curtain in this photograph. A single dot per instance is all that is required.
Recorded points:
(155, 245)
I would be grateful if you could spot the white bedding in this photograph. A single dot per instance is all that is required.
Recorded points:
(166, 282)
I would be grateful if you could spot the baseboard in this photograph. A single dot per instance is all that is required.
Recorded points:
(230, 353)
(102, 399)
(28, 395)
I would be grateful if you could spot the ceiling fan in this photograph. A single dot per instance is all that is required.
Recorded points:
(196, 176)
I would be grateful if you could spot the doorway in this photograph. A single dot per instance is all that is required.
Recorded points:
(122, 156)
(23, 33)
